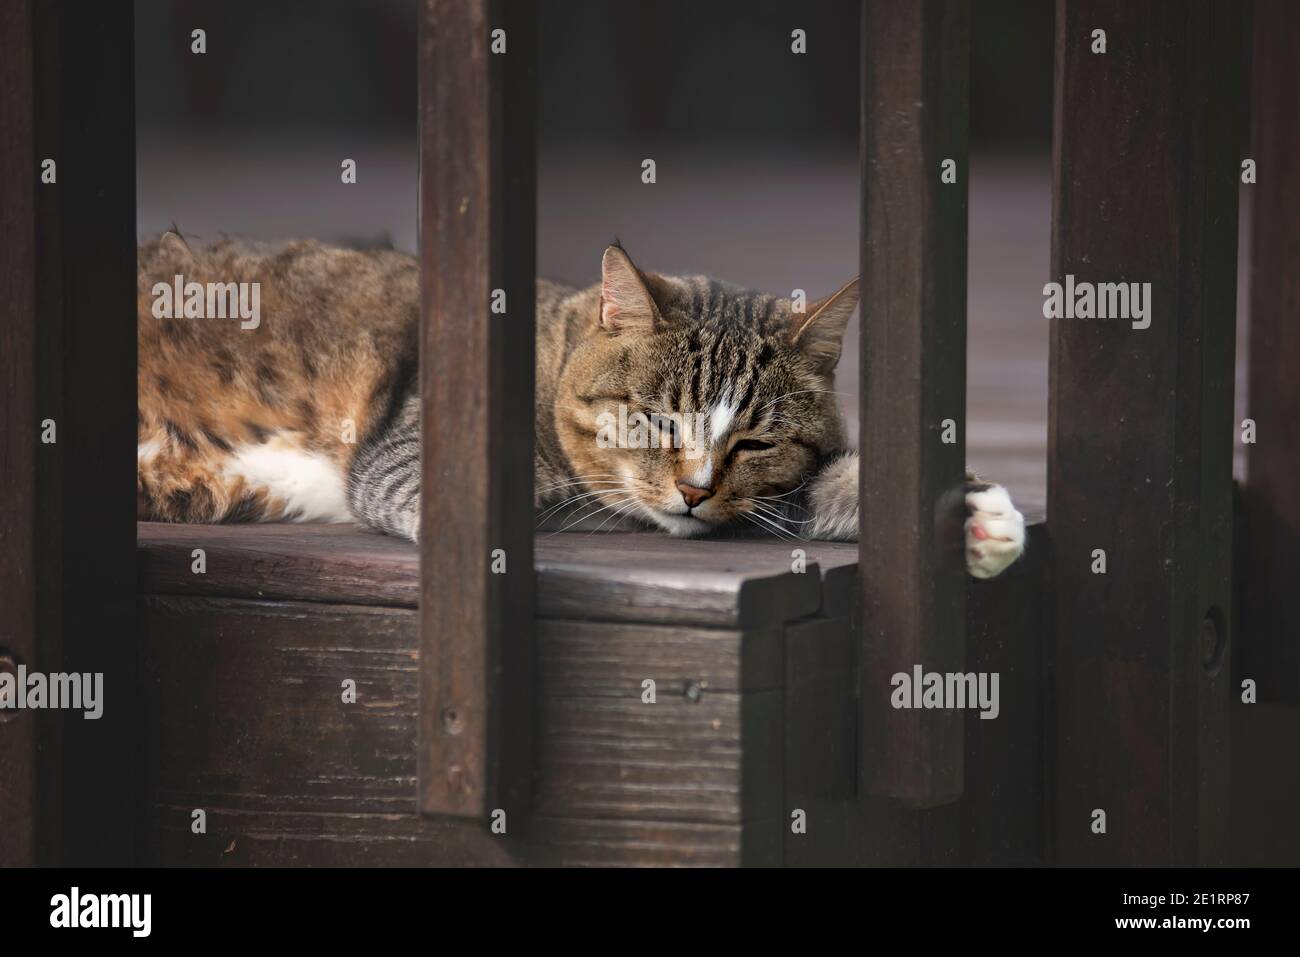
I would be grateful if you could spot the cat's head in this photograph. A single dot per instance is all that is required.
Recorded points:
(691, 402)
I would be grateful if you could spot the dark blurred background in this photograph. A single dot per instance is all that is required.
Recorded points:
(755, 150)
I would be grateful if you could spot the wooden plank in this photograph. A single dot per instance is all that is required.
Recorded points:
(477, 235)
(18, 436)
(915, 104)
(632, 577)
(243, 711)
(264, 838)
(1146, 173)
(711, 756)
(1269, 652)
(821, 726)
(614, 658)
(343, 564)
(653, 578)
(243, 706)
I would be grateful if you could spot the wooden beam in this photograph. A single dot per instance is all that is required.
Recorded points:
(1145, 179)
(477, 236)
(18, 434)
(1269, 652)
(67, 531)
(915, 106)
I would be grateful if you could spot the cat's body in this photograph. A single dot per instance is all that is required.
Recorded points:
(311, 414)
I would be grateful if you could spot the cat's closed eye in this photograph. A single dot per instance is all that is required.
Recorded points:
(752, 445)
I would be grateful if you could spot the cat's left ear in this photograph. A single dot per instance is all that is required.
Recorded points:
(819, 332)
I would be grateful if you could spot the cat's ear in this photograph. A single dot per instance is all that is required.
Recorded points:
(626, 305)
(819, 332)
(174, 246)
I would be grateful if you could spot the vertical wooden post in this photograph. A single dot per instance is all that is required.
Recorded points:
(915, 106)
(477, 243)
(67, 291)
(1270, 606)
(18, 436)
(1145, 178)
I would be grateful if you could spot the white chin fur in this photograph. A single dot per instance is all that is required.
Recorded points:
(680, 526)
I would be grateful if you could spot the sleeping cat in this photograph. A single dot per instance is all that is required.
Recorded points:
(684, 404)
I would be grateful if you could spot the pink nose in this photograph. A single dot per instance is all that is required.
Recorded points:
(693, 495)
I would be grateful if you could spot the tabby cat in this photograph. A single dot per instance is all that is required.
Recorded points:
(680, 403)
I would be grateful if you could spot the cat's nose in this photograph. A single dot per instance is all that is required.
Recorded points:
(693, 495)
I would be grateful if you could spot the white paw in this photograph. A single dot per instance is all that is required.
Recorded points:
(995, 532)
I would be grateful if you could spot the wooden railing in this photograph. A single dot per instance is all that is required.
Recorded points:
(68, 388)
(1146, 157)
(915, 104)
(1270, 540)
(478, 214)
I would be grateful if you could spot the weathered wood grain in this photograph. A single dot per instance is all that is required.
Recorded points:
(243, 705)
(915, 104)
(263, 838)
(641, 577)
(478, 210)
(1146, 173)
(608, 843)
(614, 658)
(243, 711)
(343, 564)
(1269, 650)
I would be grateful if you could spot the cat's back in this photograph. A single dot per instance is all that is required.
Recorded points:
(282, 355)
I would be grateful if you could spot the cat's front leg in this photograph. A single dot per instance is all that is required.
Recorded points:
(995, 530)
(383, 480)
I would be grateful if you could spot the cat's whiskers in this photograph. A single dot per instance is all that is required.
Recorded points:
(773, 512)
(572, 499)
(580, 483)
(766, 524)
(591, 515)
(622, 510)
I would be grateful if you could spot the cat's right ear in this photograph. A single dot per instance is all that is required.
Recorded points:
(626, 306)
(175, 247)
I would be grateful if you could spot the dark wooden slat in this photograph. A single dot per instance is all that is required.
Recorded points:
(1146, 173)
(1269, 650)
(915, 102)
(18, 435)
(67, 278)
(477, 234)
